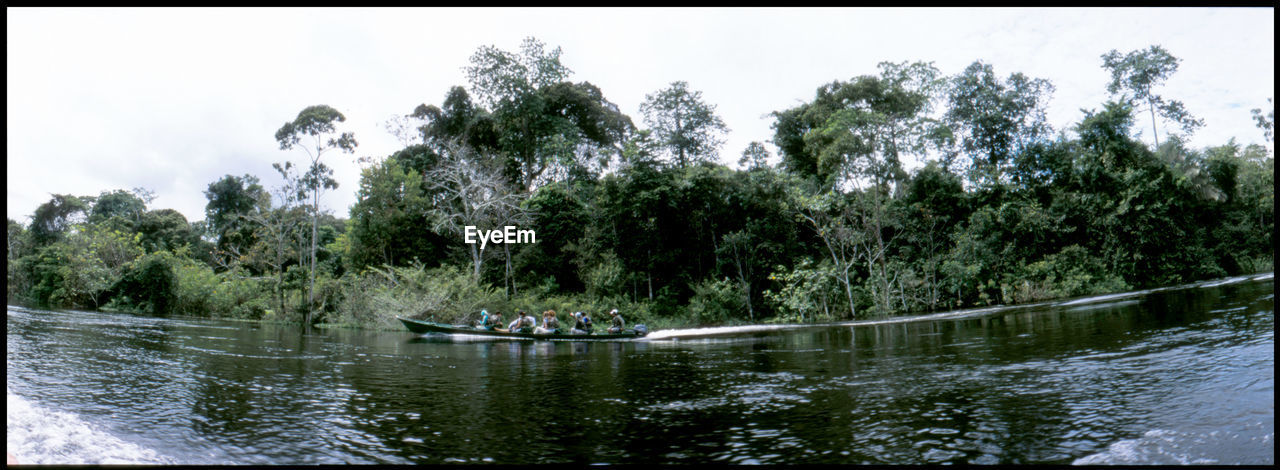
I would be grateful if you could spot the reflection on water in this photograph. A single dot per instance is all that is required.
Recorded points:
(1167, 376)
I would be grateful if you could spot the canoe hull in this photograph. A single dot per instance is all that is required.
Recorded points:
(424, 327)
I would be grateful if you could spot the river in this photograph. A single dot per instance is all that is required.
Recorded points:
(1181, 375)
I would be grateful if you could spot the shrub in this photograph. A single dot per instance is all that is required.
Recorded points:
(195, 289)
(148, 285)
(239, 296)
(809, 292)
(715, 302)
(444, 294)
(1068, 273)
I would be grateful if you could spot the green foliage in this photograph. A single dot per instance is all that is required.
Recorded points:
(198, 291)
(499, 76)
(42, 275)
(994, 121)
(165, 230)
(683, 124)
(808, 292)
(1071, 272)
(19, 284)
(1265, 122)
(561, 220)
(52, 219)
(543, 127)
(231, 200)
(118, 203)
(114, 248)
(459, 119)
(858, 131)
(83, 278)
(838, 230)
(77, 271)
(604, 277)
(715, 302)
(446, 294)
(148, 284)
(1136, 73)
(316, 122)
(754, 156)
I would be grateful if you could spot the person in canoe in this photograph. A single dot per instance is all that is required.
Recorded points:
(494, 322)
(524, 324)
(616, 323)
(582, 324)
(549, 323)
(515, 324)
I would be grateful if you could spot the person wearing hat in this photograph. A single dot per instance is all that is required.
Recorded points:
(616, 324)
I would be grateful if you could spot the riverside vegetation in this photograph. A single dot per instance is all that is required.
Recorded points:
(648, 220)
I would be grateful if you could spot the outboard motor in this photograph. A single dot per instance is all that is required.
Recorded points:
(641, 330)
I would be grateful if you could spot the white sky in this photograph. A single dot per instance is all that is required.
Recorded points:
(173, 99)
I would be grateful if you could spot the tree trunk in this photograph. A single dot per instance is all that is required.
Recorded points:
(848, 291)
(284, 311)
(742, 279)
(311, 289)
(1153, 124)
(649, 274)
(508, 281)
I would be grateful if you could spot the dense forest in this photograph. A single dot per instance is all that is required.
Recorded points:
(647, 217)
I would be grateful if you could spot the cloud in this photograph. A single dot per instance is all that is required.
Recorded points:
(173, 99)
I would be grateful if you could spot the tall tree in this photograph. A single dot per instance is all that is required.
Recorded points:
(276, 227)
(832, 217)
(458, 118)
(118, 203)
(501, 78)
(545, 128)
(1136, 73)
(857, 133)
(388, 217)
(866, 126)
(1265, 122)
(317, 123)
(754, 156)
(469, 194)
(994, 120)
(683, 124)
(165, 229)
(231, 200)
(52, 219)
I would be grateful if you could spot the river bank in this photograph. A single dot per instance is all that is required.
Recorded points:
(388, 323)
(1168, 376)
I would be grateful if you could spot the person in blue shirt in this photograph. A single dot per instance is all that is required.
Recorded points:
(492, 322)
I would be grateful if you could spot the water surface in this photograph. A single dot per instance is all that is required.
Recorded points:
(1167, 376)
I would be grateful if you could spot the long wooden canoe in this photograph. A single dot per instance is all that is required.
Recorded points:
(423, 327)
